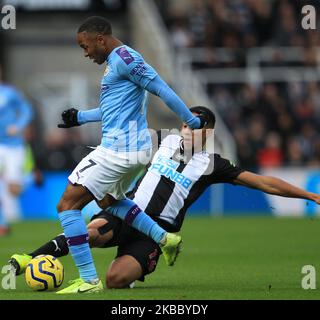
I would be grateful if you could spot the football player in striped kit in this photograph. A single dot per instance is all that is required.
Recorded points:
(178, 174)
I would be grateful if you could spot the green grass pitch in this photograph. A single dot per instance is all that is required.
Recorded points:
(222, 258)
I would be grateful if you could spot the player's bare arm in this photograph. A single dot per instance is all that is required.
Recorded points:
(275, 186)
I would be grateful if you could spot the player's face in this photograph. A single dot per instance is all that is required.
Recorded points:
(191, 138)
(93, 46)
(194, 139)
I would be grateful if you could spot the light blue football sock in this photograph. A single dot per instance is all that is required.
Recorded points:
(128, 211)
(77, 237)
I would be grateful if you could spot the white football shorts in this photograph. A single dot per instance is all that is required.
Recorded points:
(11, 163)
(104, 171)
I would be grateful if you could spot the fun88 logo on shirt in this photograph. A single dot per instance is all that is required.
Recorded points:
(167, 167)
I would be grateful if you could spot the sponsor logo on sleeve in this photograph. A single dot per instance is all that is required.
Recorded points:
(125, 55)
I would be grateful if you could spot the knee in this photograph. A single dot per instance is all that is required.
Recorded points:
(62, 205)
(75, 197)
(68, 201)
(117, 280)
(14, 189)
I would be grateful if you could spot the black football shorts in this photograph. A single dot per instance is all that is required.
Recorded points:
(132, 242)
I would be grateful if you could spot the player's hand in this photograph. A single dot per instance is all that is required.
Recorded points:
(69, 118)
(12, 131)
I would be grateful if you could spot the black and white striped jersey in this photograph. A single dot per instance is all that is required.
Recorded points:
(170, 185)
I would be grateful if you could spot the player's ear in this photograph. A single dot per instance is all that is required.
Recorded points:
(100, 39)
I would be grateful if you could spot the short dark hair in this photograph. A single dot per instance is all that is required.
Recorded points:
(96, 24)
(207, 113)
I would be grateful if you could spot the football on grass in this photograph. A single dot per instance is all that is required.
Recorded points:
(44, 272)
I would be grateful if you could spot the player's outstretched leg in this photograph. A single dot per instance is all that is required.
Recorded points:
(56, 247)
(128, 211)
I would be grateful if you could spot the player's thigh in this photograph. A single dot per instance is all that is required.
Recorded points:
(126, 166)
(123, 271)
(105, 172)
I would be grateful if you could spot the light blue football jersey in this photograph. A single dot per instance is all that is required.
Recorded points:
(123, 101)
(14, 110)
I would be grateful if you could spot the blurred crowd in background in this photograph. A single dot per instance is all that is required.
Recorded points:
(238, 24)
(274, 123)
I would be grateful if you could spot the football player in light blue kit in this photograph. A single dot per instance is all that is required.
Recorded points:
(15, 115)
(107, 172)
